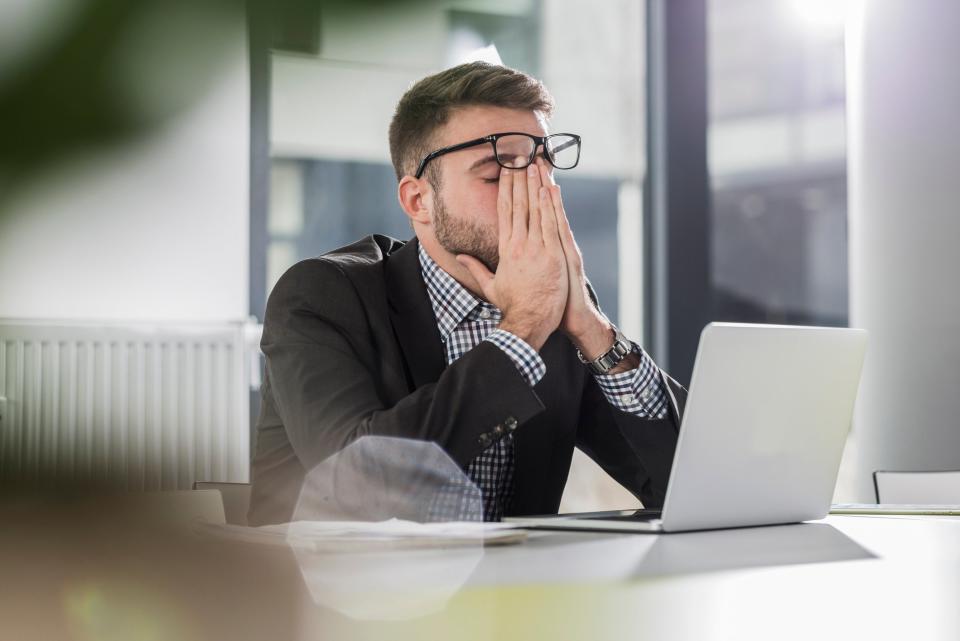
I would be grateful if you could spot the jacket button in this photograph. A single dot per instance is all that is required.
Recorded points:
(511, 423)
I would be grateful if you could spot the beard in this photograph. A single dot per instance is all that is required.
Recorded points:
(466, 237)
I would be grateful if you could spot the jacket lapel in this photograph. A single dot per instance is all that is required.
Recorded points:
(412, 316)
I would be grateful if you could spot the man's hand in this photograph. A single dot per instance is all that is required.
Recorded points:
(580, 313)
(582, 322)
(531, 283)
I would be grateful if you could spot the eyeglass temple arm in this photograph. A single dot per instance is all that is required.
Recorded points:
(447, 150)
(561, 147)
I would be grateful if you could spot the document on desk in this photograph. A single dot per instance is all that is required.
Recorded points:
(345, 536)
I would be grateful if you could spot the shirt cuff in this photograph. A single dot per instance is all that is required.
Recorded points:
(527, 360)
(638, 391)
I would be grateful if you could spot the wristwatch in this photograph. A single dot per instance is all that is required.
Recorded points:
(612, 357)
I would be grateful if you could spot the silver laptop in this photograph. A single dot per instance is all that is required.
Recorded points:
(767, 416)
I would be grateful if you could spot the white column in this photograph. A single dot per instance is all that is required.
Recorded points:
(904, 204)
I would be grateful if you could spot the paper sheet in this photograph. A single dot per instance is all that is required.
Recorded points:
(358, 535)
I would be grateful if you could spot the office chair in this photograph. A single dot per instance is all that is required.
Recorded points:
(917, 488)
(236, 499)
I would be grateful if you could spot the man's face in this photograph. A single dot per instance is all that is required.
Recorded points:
(465, 209)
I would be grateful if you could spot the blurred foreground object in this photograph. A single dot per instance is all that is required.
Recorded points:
(377, 478)
(83, 75)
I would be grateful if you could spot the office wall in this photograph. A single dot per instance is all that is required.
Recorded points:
(904, 165)
(154, 230)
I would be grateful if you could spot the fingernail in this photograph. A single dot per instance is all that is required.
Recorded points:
(531, 170)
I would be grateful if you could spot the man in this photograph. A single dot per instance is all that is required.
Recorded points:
(481, 334)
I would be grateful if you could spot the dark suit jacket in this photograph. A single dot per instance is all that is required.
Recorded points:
(352, 349)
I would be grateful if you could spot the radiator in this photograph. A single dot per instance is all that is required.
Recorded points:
(133, 407)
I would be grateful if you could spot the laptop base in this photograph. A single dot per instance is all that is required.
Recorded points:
(607, 521)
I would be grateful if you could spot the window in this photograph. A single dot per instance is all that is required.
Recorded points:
(777, 160)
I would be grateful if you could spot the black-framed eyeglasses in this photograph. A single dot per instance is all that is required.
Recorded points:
(516, 150)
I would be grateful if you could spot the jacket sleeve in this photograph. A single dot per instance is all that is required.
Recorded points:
(637, 452)
(317, 342)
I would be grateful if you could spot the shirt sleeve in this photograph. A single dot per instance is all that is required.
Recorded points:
(638, 391)
(527, 360)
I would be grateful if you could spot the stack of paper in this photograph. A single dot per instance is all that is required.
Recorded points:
(359, 535)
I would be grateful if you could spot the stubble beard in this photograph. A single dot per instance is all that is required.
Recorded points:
(468, 237)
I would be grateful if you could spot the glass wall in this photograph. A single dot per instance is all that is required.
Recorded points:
(777, 159)
(331, 103)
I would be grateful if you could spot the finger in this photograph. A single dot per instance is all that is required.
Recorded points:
(481, 274)
(505, 206)
(566, 233)
(520, 206)
(548, 217)
(562, 221)
(568, 245)
(546, 178)
(533, 198)
(547, 173)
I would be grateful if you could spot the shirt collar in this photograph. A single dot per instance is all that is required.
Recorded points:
(451, 301)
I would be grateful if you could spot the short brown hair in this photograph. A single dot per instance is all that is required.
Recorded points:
(427, 105)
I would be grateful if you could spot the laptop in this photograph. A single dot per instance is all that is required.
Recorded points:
(767, 416)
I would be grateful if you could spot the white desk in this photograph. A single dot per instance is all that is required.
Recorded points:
(845, 578)
(78, 575)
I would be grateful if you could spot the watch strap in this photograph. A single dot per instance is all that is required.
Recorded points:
(612, 357)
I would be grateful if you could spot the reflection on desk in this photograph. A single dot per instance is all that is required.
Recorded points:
(617, 557)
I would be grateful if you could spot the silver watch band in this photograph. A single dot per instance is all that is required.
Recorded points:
(612, 357)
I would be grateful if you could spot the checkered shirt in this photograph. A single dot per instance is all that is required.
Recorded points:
(464, 321)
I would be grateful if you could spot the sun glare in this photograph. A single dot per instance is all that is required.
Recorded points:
(825, 15)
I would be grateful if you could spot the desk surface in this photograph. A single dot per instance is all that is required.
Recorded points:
(850, 577)
(846, 577)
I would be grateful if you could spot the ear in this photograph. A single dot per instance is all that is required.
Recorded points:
(414, 195)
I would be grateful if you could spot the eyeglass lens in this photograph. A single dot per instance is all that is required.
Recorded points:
(564, 151)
